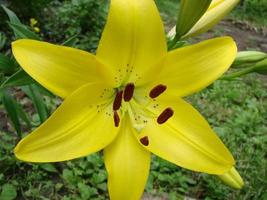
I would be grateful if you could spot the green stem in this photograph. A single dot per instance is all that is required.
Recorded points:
(237, 74)
(172, 43)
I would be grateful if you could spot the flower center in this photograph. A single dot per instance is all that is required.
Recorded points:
(125, 101)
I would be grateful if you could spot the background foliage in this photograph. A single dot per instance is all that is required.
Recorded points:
(237, 110)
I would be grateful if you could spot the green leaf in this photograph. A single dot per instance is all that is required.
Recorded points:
(2, 78)
(11, 15)
(7, 65)
(261, 67)
(10, 106)
(48, 167)
(23, 32)
(2, 40)
(44, 91)
(8, 192)
(70, 41)
(84, 190)
(33, 92)
(19, 78)
(68, 176)
(190, 12)
(23, 115)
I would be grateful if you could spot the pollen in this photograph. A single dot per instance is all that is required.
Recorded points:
(117, 101)
(158, 90)
(128, 92)
(116, 118)
(144, 141)
(165, 115)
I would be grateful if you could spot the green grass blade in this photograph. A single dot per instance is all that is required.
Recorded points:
(10, 105)
(11, 15)
(33, 92)
(19, 78)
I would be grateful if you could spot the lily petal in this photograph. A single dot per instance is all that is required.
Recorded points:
(127, 164)
(191, 69)
(60, 69)
(217, 10)
(74, 130)
(232, 178)
(186, 139)
(133, 38)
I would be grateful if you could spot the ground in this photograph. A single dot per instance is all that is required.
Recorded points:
(231, 107)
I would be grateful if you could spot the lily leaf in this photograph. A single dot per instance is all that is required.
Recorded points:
(10, 105)
(2, 40)
(24, 116)
(190, 12)
(11, 15)
(7, 65)
(33, 92)
(21, 31)
(2, 78)
(18, 79)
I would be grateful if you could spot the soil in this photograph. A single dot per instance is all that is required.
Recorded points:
(246, 36)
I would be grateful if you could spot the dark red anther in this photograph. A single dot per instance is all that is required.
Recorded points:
(117, 101)
(116, 118)
(158, 90)
(144, 141)
(165, 115)
(128, 92)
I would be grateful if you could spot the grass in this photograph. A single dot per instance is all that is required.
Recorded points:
(253, 11)
(237, 110)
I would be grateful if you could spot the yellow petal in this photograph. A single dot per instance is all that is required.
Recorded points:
(74, 130)
(217, 10)
(127, 164)
(190, 69)
(232, 178)
(60, 69)
(133, 38)
(186, 139)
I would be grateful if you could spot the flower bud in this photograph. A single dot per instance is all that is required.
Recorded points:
(261, 67)
(248, 58)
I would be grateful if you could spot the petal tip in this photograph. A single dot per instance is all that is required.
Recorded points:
(232, 178)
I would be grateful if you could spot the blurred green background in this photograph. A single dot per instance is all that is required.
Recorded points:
(236, 109)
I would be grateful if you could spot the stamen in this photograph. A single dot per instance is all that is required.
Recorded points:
(158, 90)
(117, 101)
(116, 118)
(165, 115)
(144, 141)
(128, 92)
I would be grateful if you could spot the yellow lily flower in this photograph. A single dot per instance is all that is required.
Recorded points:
(232, 178)
(216, 11)
(127, 99)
